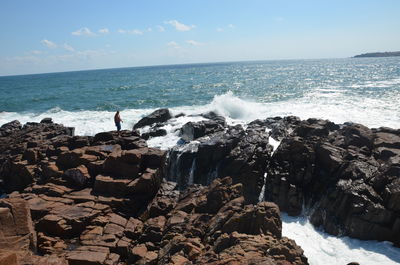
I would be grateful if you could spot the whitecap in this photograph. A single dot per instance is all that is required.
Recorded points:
(321, 248)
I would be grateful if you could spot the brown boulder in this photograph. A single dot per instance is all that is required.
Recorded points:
(153, 229)
(154, 158)
(16, 175)
(134, 228)
(68, 221)
(16, 228)
(50, 171)
(111, 186)
(103, 137)
(31, 155)
(264, 218)
(69, 159)
(77, 177)
(8, 258)
(88, 256)
(122, 164)
(49, 245)
(147, 183)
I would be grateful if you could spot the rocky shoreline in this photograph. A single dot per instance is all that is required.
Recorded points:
(111, 199)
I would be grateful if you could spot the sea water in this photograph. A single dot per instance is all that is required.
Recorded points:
(322, 248)
(362, 90)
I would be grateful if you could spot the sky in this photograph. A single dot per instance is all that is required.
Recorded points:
(54, 36)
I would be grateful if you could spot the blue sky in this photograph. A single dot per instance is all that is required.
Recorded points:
(51, 36)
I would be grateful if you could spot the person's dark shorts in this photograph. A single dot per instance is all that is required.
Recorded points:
(118, 124)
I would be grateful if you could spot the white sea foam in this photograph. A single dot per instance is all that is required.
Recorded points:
(378, 83)
(322, 249)
(372, 112)
(172, 129)
(275, 144)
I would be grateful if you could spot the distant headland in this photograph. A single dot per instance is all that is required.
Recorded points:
(378, 54)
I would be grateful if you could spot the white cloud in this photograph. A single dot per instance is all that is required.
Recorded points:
(160, 28)
(83, 32)
(179, 26)
(194, 43)
(173, 44)
(149, 29)
(226, 28)
(133, 31)
(68, 47)
(104, 31)
(49, 44)
(24, 59)
(36, 52)
(136, 32)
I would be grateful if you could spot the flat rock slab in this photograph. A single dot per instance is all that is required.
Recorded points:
(86, 258)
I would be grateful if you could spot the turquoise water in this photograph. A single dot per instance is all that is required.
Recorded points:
(365, 90)
(185, 85)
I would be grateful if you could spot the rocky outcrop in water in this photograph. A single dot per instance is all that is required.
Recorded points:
(158, 116)
(103, 200)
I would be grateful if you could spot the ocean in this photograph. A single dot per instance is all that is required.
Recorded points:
(361, 90)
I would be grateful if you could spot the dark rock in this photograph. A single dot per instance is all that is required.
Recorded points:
(103, 137)
(154, 133)
(16, 175)
(72, 159)
(344, 173)
(164, 201)
(131, 142)
(78, 177)
(79, 142)
(388, 140)
(235, 152)
(179, 115)
(160, 115)
(213, 116)
(46, 120)
(358, 135)
(8, 128)
(193, 130)
(49, 170)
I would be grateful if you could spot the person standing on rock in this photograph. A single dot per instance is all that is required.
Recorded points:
(117, 120)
